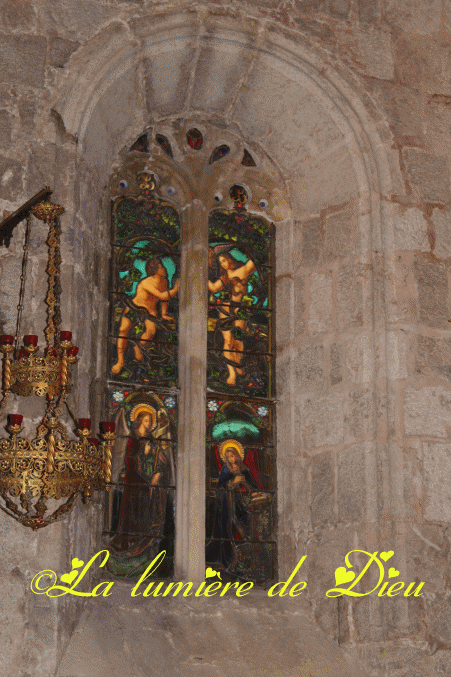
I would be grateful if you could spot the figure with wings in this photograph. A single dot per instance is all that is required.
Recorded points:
(143, 468)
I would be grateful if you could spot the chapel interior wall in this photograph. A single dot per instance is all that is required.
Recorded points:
(364, 349)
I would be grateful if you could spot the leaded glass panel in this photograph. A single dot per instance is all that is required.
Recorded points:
(240, 458)
(141, 396)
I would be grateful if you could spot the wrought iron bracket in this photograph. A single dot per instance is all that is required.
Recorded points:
(7, 225)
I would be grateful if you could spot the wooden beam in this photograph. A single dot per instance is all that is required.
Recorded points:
(7, 225)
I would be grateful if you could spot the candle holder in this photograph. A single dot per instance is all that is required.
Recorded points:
(50, 465)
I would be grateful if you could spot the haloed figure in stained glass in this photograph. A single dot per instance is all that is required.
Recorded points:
(233, 276)
(151, 292)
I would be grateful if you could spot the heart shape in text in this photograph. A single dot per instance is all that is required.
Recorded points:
(386, 555)
(392, 572)
(211, 572)
(77, 563)
(69, 578)
(342, 575)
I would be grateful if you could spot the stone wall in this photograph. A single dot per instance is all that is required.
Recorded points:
(349, 99)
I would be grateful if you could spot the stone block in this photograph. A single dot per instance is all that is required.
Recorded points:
(299, 305)
(308, 5)
(416, 59)
(340, 234)
(402, 660)
(167, 77)
(17, 14)
(432, 282)
(5, 129)
(350, 297)
(10, 178)
(323, 421)
(397, 347)
(429, 173)
(369, 49)
(339, 8)
(335, 364)
(334, 173)
(265, 98)
(308, 365)
(402, 296)
(27, 110)
(325, 552)
(442, 663)
(76, 22)
(22, 59)
(319, 29)
(441, 220)
(411, 231)
(41, 167)
(60, 51)
(219, 70)
(426, 557)
(433, 356)
(320, 307)
(427, 411)
(359, 412)
(323, 481)
(413, 17)
(351, 484)
(369, 11)
(437, 471)
(312, 241)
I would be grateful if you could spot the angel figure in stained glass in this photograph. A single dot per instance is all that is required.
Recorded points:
(143, 467)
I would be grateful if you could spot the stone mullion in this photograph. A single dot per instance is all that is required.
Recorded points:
(190, 505)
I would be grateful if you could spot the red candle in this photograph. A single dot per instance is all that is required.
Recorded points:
(84, 423)
(94, 441)
(23, 353)
(7, 339)
(30, 340)
(108, 426)
(73, 351)
(15, 419)
(65, 335)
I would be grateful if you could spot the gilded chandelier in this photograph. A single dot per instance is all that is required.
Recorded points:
(49, 466)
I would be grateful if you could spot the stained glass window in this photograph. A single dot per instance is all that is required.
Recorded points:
(141, 145)
(163, 141)
(218, 153)
(142, 368)
(240, 411)
(194, 139)
(248, 160)
(142, 394)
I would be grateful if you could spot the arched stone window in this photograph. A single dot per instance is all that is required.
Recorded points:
(191, 360)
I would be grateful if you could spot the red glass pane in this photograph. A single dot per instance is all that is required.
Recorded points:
(194, 139)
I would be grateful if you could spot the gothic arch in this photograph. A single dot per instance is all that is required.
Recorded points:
(308, 123)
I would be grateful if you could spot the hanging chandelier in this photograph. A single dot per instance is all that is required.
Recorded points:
(40, 478)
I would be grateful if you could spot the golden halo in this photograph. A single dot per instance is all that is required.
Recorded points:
(235, 445)
(139, 408)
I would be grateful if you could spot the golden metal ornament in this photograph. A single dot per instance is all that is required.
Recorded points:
(49, 466)
(47, 211)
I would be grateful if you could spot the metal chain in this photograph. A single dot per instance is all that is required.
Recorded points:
(57, 288)
(23, 278)
(52, 242)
